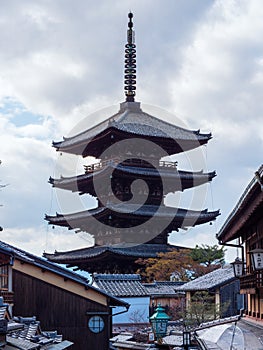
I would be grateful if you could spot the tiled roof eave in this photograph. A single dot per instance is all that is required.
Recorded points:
(169, 173)
(137, 123)
(130, 209)
(56, 269)
(234, 225)
(143, 250)
(249, 200)
(211, 281)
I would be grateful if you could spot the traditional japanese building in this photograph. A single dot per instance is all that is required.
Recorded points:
(62, 299)
(222, 288)
(244, 229)
(131, 220)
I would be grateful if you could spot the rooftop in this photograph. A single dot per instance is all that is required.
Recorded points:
(210, 281)
(249, 202)
(131, 119)
(181, 179)
(30, 336)
(176, 216)
(121, 285)
(163, 288)
(44, 264)
(140, 251)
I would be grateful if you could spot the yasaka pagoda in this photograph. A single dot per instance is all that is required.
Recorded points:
(130, 180)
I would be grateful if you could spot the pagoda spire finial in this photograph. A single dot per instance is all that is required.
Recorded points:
(130, 62)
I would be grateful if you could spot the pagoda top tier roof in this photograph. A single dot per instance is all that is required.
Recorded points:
(132, 122)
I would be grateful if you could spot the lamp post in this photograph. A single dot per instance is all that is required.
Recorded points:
(257, 259)
(159, 321)
(238, 266)
(186, 339)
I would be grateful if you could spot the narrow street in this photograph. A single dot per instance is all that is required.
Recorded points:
(253, 335)
(245, 336)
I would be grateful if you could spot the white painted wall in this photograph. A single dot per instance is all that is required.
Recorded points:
(139, 307)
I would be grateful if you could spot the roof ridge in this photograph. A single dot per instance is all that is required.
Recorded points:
(239, 203)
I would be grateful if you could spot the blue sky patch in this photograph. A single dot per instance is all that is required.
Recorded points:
(17, 113)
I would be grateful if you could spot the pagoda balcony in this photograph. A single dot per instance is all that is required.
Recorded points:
(251, 282)
(8, 297)
(131, 162)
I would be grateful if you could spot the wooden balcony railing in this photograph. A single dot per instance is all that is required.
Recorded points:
(250, 282)
(7, 296)
(131, 162)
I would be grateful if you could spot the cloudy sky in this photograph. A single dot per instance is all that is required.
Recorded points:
(61, 61)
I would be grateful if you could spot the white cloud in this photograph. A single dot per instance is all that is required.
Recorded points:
(60, 63)
(38, 239)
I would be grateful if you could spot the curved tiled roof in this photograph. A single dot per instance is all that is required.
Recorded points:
(133, 120)
(120, 285)
(186, 179)
(136, 251)
(176, 214)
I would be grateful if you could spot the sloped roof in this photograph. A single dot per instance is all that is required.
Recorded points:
(140, 251)
(53, 267)
(163, 288)
(121, 285)
(210, 281)
(250, 202)
(133, 120)
(181, 179)
(176, 216)
(25, 333)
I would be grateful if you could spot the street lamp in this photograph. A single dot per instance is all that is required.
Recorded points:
(159, 321)
(257, 258)
(186, 339)
(238, 266)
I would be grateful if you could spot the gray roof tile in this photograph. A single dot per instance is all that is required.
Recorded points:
(51, 266)
(121, 285)
(210, 281)
(132, 119)
(162, 288)
(140, 251)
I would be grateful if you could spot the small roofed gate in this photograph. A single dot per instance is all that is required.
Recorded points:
(82, 321)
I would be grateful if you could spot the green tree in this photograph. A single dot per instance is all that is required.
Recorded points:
(202, 308)
(210, 256)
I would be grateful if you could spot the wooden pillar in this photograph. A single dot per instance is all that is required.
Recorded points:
(217, 302)
(188, 299)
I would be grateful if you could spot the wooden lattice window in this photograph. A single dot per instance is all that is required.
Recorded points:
(4, 277)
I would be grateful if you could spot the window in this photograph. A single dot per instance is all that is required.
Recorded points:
(4, 277)
(96, 324)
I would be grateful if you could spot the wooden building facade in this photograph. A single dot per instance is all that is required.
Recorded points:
(221, 291)
(61, 299)
(165, 293)
(244, 229)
